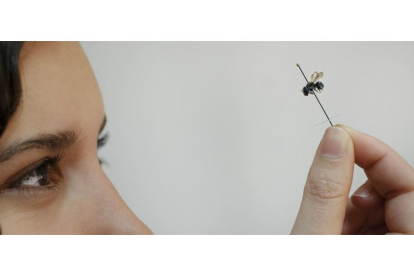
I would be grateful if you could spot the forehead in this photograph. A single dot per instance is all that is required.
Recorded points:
(59, 91)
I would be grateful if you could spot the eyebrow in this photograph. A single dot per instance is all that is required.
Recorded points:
(51, 141)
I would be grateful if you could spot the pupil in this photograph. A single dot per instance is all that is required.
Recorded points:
(43, 173)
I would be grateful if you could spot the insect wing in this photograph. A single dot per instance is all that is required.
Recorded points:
(316, 76)
(320, 75)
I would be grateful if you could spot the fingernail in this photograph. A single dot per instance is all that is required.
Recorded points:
(363, 192)
(334, 143)
(344, 127)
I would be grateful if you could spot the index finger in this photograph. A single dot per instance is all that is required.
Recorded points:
(391, 174)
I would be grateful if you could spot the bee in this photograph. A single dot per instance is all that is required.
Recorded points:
(314, 85)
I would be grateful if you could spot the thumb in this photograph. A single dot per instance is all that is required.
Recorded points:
(325, 196)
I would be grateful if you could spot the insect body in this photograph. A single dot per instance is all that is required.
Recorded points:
(314, 85)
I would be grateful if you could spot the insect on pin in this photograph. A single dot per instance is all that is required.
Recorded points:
(314, 86)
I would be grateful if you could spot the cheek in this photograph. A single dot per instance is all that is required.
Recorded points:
(76, 206)
(29, 213)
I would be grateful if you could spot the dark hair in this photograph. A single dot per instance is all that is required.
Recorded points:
(10, 83)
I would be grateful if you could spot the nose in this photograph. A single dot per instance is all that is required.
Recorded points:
(115, 217)
(103, 210)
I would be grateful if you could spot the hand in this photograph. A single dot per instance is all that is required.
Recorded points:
(383, 205)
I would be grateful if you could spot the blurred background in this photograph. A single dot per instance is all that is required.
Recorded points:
(217, 138)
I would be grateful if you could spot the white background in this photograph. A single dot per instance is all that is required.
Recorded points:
(216, 137)
(233, 20)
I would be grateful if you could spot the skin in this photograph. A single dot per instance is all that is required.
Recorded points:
(60, 93)
(382, 205)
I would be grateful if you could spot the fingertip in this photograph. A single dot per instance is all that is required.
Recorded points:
(367, 198)
(346, 128)
(370, 203)
(350, 131)
(334, 143)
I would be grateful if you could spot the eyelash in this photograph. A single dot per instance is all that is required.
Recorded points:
(48, 169)
(102, 142)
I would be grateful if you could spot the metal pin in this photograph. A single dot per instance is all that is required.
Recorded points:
(297, 64)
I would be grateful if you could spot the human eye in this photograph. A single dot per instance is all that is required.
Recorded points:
(102, 141)
(41, 176)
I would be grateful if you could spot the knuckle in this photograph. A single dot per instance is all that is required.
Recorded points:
(323, 188)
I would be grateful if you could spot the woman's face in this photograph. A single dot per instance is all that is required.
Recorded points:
(51, 180)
